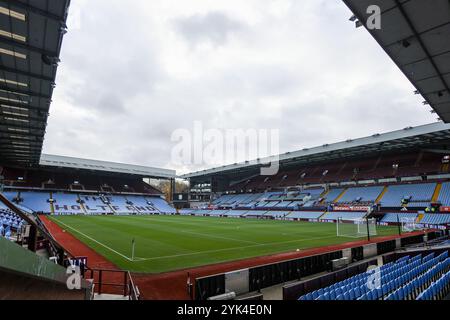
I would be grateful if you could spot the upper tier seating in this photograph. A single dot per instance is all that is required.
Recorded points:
(420, 195)
(361, 194)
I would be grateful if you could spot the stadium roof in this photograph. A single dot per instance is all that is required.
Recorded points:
(31, 33)
(431, 135)
(105, 166)
(416, 35)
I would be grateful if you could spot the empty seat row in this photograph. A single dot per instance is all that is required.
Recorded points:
(404, 279)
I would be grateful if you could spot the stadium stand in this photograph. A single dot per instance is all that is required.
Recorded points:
(276, 214)
(36, 201)
(9, 223)
(161, 205)
(335, 215)
(304, 215)
(219, 212)
(74, 203)
(395, 217)
(94, 205)
(271, 200)
(435, 219)
(407, 278)
(444, 195)
(235, 213)
(418, 195)
(332, 195)
(65, 203)
(361, 194)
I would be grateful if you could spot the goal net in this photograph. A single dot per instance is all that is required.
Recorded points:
(409, 224)
(356, 228)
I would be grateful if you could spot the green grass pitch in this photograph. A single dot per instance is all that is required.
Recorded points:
(165, 243)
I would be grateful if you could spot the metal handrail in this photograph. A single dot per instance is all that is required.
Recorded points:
(128, 286)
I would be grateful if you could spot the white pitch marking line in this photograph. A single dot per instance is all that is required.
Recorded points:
(84, 235)
(218, 237)
(228, 249)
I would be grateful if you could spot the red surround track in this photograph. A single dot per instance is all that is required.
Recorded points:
(172, 285)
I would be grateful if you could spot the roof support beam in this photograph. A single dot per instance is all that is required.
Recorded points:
(438, 151)
(22, 151)
(25, 117)
(432, 77)
(9, 132)
(427, 58)
(20, 155)
(424, 48)
(35, 10)
(21, 91)
(422, 33)
(20, 126)
(25, 46)
(33, 145)
(24, 106)
(27, 74)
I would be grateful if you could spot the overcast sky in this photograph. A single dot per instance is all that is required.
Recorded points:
(134, 71)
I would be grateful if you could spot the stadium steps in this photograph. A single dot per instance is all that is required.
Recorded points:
(323, 195)
(381, 194)
(81, 204)
(109, 206)
(323, 215)
(420, 217)
(110, 297)
(52, 208)
(340, 196)
(436, 193)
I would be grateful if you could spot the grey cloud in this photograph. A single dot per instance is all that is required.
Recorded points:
(214, 27)
(115, 101)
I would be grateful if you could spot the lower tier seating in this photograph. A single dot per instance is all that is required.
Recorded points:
(407, 278)
(335, 215)
(9, 222)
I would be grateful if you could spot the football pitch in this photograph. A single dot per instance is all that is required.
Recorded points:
(166, 243)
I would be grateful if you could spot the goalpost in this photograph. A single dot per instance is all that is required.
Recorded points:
(357, 228)
(409, 224)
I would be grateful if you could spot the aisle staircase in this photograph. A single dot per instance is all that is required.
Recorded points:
(436, 193)
(381, 194)
(340, 196)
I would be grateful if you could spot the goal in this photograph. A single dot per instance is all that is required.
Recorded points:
(409, 224)
(356, 228)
